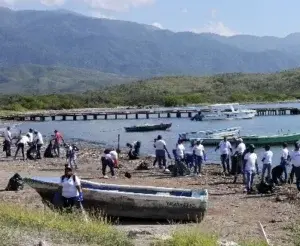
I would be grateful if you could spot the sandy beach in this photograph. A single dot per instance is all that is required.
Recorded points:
(232, 214)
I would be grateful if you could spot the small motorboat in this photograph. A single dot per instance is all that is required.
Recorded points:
(144, 202)
(220, 133)
(148, 127)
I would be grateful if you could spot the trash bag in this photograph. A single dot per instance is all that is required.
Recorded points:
(49, 151)
(143, 166)
(15, 183)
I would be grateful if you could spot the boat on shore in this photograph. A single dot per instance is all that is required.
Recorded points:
(224, 112)
(142, 202)
(148, 127)
(277, 139)
(219, 133)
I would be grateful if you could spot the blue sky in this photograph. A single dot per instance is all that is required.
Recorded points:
(224, 17)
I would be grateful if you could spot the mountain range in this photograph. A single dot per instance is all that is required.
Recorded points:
(69, 40)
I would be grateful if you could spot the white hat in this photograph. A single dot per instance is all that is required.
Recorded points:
(241, 139)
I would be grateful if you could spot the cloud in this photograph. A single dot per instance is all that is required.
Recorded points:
(117, 5)
(158, 25)
(97, 14)
(214, 13)
(52, 2)
(184, 10)
(217, 27)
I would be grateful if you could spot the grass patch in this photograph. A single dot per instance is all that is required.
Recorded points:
(194, 237)
(67, 228)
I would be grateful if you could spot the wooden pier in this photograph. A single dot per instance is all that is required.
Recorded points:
(65, 115)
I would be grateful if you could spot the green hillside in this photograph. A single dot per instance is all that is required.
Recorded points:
(36, 79)
(172, 91)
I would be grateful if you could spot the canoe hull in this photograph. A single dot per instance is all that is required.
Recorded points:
(134, 205)
(160, 127)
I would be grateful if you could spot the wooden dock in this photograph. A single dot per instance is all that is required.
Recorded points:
(129, 114)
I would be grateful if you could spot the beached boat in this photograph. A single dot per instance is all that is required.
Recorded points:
(276, 139)
(224, 112)
(220, 133)
(143, 202)
(148, 127)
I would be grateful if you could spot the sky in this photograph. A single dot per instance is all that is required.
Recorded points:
(224, 17)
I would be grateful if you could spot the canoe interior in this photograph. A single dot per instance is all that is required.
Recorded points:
(146, 190)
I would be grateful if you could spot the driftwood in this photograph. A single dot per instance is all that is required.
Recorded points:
(264, 234)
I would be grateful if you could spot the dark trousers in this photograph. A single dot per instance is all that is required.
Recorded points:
(284, 164)
(198, 164)
(292, 174)
(56, 148)
(297, 173)
(69, 203)
(225, 162)
(238, 167)
(7, 148)
(20, 147)
(38, 151)
(161, 157)
(107, 163)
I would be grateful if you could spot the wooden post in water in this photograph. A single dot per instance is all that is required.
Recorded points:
(118, 149)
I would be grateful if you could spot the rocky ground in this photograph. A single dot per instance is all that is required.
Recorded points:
(232, 214)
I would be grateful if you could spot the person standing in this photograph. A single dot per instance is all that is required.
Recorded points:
(225, 150)
(7, 142)
(30, 133)
(58, 140)
(295, 158)
(284, 161)
(71, 190)
(180, 150)
(267, 163)
(38, 141)
(239, 153)
(251, 168)
(21, 145)
(199, 156)
(72, 156)
(160, 152)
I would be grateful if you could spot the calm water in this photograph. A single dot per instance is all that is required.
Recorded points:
(106, 131)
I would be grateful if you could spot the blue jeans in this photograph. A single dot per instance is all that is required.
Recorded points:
(266, 167)
(284, 164)
(225, 162)
(297, 173)
(161, 157)
(198, 164)
(249, 176)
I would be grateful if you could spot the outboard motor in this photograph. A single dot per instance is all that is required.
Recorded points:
(15, 183)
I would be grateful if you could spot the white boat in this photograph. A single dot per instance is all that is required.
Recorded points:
(220, 133)
(144, 202)
(224, 112)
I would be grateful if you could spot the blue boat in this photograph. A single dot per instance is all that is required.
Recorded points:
(143, 202)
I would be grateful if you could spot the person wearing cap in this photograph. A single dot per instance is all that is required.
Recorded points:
(24, 140)
(284, 160)
(160, 152)
(38, 140)
(199, 156)
(240, 149)
(267, 163)
(70, 187)
(250, 168)
(295, 159)
(58, 141)
(225, 150)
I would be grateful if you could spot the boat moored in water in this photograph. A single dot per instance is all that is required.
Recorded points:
(149, 127)
(144, 202)
(224, 112)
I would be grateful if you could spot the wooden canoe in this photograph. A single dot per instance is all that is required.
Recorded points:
(142, 202)
(147, 127)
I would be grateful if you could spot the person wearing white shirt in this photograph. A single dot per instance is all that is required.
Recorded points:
(107, 161)
(295, 158)
(38, 140)
(114, 155)
(225, 150)
(267, 163)
(180, 150)
(160, 152)
(7, 142)
(30, 133)
(71, 191)
(199, 155)
(250, 167)
(24, 140)
(284, 160)
(240, 149)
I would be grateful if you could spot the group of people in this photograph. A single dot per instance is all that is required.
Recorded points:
(34, 140)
